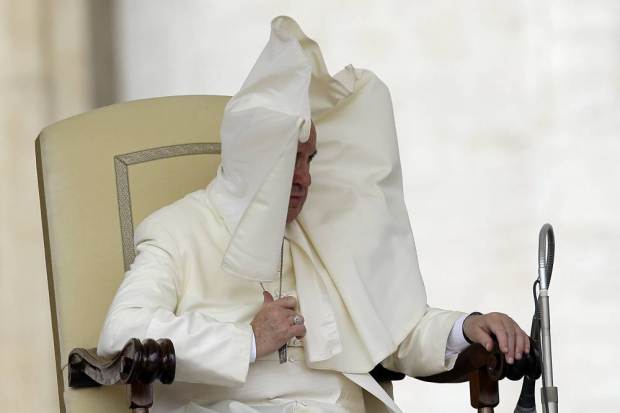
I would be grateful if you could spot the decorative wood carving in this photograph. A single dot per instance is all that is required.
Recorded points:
(482, 369)
(138, 365)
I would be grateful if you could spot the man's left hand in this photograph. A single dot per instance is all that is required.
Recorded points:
(513, 341)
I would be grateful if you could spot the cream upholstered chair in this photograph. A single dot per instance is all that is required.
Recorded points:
(100, 174)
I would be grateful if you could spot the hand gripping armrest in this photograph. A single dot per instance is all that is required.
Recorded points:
(476, 358)
(482, 369)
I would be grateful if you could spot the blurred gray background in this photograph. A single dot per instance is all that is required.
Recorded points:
(508, 116)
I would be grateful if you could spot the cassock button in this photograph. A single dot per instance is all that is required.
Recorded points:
(291, 359)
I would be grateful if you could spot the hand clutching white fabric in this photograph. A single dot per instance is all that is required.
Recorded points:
(274, 324)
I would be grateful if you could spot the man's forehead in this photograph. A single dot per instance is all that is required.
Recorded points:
(310, 144)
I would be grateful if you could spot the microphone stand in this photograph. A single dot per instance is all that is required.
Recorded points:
(546, 251)
(541, 330)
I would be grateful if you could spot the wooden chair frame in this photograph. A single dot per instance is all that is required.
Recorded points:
(139, 364)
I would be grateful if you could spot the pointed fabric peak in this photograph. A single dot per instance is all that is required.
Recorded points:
(261, 128)
(356, 270)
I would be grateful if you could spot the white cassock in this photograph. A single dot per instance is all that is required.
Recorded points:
(350, 256)
(176, 288)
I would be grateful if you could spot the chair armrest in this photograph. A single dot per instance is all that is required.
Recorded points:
(381, 374)
(138, 365)
(142, 362)
(482, 369)
(476, 358)
(473, 358)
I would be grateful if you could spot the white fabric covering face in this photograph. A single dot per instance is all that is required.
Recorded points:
(358, 281)
(261, 127)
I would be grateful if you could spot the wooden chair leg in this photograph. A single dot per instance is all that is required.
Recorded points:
(483, 391)
(140, 397)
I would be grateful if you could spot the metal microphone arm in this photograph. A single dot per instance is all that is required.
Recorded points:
(546, 251)
(541, 330)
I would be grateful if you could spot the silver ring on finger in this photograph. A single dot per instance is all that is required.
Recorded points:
(298, 320)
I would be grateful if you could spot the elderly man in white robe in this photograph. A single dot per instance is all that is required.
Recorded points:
(279, 295)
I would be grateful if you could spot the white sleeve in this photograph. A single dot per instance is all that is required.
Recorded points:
(207, 350)
(456, 340)
(423, 352)
(253, 351)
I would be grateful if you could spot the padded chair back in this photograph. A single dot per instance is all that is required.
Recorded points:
(100, 174)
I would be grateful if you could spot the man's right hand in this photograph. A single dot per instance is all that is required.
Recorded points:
(273, 324)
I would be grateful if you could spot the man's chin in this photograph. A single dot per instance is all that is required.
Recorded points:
(296, 202)
(293, 212)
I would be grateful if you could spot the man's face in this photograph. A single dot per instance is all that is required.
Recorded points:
(301, 175)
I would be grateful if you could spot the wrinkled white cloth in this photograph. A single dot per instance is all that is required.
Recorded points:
(199, 260)
(269, 385)
(456, 341)
(353, 241)
(176, 288)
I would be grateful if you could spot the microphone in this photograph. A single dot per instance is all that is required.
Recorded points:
(541, 330)
(527, 400)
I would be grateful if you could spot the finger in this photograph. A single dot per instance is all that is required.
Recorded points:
(497, 328)
(297, 331)
(482, 337)
(527, 344)
(286, 315)
(267, 297)
(520, 344)
(509, 326)
(297, 317)
(287, 302)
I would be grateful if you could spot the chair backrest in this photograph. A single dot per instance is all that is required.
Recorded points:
(100, 174)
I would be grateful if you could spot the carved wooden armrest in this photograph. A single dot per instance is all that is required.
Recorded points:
(137, 365)
(482, 369)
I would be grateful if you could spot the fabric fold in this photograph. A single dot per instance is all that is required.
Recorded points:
(358, 281)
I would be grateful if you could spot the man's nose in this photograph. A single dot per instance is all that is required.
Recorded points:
(301, 176)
